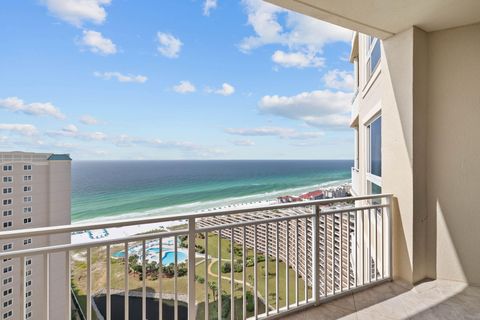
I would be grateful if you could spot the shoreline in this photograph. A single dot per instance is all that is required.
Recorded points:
(116, 233)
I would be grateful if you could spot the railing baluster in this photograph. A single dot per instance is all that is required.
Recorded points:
(255, 270)
(333, 253)
(349, 250)
(297, 297)
(244, 274)
(266, 269)
(46, 276)
(68, 287)
(22, 287)
(160, 271)
(306, 260)
(144, 280)
(89, 283)
(325, 260)
(232, 276)
(191, 269)
(108, 298)
(175, 278)
(389, 217)
(356, 246)
(315, 258)
(376, 244)
(363, 247)
(369, 246)
(207, 300)
(287, 265)
(219, 276)
(277, 258)
(127, 293)
(341, 252)
(383, 244)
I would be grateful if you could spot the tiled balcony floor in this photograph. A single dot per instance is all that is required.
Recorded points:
(435, 300)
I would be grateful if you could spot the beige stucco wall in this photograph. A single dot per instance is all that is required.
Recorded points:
(429, 92)
(454, 153)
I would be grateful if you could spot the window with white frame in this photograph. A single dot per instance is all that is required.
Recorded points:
(27, 210)
(7, 202)
(372, 55)
(27, 199)
(27, 178)
(27, 167)
(28, 294)
(7, 213)
(28, 315)
(7, 167)
(28, 273)
(27, 220)
(27, 188)
(7, 179)
(7, 190)
(7, 303)
(28, 304)
(7, 246)
(28, 283)
(7, 280)
(357, 149)
(7, 224)
(28, 262)
(8, 314)
(27, 241)
(7, 269)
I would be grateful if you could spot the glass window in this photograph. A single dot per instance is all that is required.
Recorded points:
(375, 56)
(374, 130)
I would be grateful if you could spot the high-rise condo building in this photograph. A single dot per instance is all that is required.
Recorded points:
(35, 192)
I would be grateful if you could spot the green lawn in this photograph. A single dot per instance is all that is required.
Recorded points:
(135, 284)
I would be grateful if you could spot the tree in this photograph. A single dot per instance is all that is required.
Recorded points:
(213, 286)
(226, 267)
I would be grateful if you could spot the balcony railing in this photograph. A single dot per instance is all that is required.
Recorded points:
(283, 258)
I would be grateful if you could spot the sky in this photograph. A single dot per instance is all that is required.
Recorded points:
(173, 79)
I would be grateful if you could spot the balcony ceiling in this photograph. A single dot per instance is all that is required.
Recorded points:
(383, 18)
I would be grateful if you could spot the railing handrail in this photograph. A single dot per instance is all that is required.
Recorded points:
(14, 234)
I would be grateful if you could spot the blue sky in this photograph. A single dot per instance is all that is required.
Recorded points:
(172, 79)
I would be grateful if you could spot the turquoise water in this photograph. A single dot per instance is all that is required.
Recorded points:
(169, 257)
(121, 189)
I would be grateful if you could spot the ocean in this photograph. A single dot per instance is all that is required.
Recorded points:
(102, 190)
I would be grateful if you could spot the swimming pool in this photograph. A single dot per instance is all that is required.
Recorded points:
(169, 257)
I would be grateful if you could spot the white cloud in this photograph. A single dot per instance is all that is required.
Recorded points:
(337, 79)
(209, 5)
(121, 77)
(168, 45)
(71, 131)
(96, 43)
(77, 12)
(184, 87)
(297, 59)
(298, 30)
(284, 133)
(184, 146)
(225, 90)
(243, 143)
(71, 128)
(22, 129)
(88, 119)
(35, 108)
(316, 108)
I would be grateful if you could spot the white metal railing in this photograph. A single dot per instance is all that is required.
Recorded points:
(326, 247)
